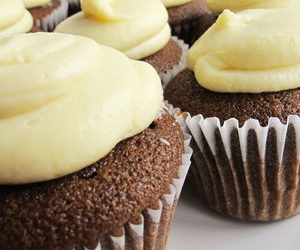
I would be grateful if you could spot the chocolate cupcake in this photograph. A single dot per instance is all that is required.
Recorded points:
(243, 92)
(139, 28)
(98, 160)
(14, 18)
(47, 13)
(189, 19)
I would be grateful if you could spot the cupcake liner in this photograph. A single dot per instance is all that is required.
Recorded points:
(49, 22)
(152, 231)
(166, 77)
(191, 31)
(250, 173)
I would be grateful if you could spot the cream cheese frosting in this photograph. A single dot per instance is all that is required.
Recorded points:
(65, 102)
(251, 51)
(218, 6)
(138, 28)
(172, 3)
(35, 3)
(14, 18)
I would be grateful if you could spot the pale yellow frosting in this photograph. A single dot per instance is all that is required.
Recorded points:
(35, 3)
(252, 51)
(138, 28)
(14, 18)
(218, 6)
(65, 102)
(172, 3)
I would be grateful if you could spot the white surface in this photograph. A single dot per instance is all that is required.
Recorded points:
(197, 228)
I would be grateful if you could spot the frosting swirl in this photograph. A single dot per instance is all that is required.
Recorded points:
(218, 6)
(14, 18)
(35, 3)
(252, 51)
(83, 99)
(138, 28)
(172, 3)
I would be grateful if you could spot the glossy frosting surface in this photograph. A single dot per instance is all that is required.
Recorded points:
(35, 3)
(218, 6)
(65, 102)
(14, 18)
(138, 28)
(252, 51)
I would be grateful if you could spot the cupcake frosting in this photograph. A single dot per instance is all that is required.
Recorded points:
(172, 3)
(65, 102)
(218, 6)
(252, 51)
(138, 28)
(14, 18)
(35, 3)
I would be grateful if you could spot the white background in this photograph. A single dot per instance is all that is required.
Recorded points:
(195, 227)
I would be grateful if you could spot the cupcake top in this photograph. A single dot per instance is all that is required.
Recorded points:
(138, 28)
(35, 3)
(252, 51)
(218, 6)
(14, 18)
(65, 102)
(172, 3)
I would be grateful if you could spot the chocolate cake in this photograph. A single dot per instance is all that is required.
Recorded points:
(189, 21)
(185, 92)
(166, 58)
(78, 209)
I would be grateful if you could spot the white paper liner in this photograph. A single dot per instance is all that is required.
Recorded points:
(49, 22)
(166, 77)
(153, 232)
(249, 172)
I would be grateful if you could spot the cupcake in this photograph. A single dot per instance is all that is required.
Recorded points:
(14, 18)
(47, 13)
(139, 28)
(189, 19)
(90, 157)
(242, 88)
(217, 6)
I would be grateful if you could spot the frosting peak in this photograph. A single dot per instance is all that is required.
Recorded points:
(218, 6)
(252, 51)
(83, 99)
(138, 28)
(101, 9)
(14, 18)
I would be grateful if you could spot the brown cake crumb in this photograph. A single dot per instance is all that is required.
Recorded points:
(166, 58)
(188, 12)
(79, 208)
(185, 92)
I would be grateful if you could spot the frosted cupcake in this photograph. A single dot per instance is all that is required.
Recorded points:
(139, 28)
(47, 13)
(90, 158)
(188, 18)
(242, 88)
(14, 18)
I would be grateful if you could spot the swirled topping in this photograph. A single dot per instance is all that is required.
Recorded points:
(65, 102)
(35, 3)
(172, 3)
(138, 28)
(14, 18)
(218, 6)
(252, 51)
